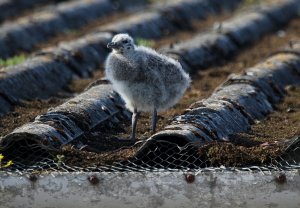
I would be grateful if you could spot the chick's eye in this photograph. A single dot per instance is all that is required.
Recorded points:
(125, 41)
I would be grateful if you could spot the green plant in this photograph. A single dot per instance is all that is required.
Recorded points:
(12, 61)
(145, 42)
(59, 159)
(9, 163)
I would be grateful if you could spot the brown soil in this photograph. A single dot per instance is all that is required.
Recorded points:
(231, 155)
(26, 112)
(78, 85)
(83, 159)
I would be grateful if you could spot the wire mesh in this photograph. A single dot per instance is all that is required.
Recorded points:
(158, 156)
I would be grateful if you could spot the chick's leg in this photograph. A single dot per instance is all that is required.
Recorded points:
(134, 119)
(154, 121)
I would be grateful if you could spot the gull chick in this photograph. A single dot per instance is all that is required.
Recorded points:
(146, 80)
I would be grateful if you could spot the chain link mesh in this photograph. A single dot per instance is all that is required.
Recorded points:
(158, 156)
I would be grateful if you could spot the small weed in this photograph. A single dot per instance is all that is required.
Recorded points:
(60, 159)
(12, 61)
(9, 163)
(145, 42)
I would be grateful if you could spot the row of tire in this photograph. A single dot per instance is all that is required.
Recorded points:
(25, 33)
(12, 8)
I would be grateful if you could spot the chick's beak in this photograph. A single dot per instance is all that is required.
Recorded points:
(112, 45)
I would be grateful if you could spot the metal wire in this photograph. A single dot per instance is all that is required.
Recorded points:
(159, 156)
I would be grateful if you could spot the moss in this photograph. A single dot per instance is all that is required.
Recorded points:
(12, 61)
